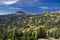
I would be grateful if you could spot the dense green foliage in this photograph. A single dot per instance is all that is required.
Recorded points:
(29, 27)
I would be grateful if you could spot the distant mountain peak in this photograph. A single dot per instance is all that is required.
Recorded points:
(20, 13)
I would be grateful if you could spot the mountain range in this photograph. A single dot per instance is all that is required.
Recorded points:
(22, 19)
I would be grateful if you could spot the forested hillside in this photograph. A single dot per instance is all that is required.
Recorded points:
(23, 26)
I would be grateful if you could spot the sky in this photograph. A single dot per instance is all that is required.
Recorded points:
(28, 6)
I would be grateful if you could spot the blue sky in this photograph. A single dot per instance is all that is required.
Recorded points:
(29, 6)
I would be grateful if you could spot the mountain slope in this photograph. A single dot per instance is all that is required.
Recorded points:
(21, 26)
(21, 19)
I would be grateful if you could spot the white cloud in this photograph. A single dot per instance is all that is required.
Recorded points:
(25, 3)
(12, 8)
(54, 8)
(43, 7)
(7, 2)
